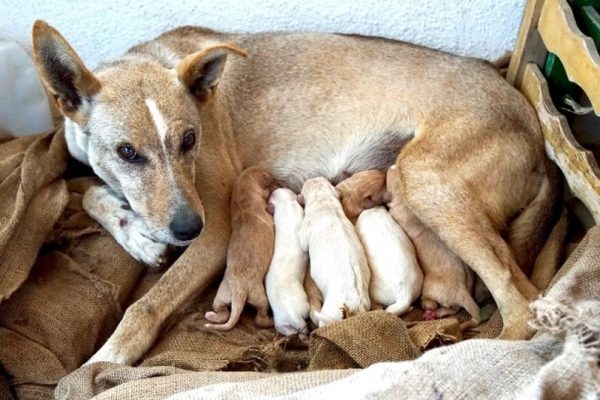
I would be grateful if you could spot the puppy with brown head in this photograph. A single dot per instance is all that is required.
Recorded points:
(249, 254)
(447, 281)
(361, 191)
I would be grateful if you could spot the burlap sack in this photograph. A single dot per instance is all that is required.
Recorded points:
(72, 278)
(33, 196)
(560, 362)
(361, 341)
(6, 392)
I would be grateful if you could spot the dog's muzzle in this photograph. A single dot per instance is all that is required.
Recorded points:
(186, 225)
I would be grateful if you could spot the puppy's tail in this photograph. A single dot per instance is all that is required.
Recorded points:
(237, 306)
(528, 232)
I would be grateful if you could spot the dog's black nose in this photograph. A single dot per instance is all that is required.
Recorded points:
(186, 225)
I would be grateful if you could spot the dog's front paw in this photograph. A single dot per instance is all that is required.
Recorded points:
(108, 353)
(133, 237)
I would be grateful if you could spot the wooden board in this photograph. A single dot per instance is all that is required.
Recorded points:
(577, 164)
(577, 52)
(528, 47)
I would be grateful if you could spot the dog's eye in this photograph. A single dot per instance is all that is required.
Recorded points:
(189, 139)
(128, 153)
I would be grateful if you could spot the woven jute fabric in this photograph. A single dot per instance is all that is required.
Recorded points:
(33, 195)
(560, 362)
(64, 283)
(63, 280)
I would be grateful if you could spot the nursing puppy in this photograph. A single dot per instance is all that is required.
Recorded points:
(362, 190)
(287, 272)
(338, 264)
(249, 254)
(396, 277)
(447, 281)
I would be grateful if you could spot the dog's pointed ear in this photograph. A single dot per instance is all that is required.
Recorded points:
(201, 71)
(62, 71)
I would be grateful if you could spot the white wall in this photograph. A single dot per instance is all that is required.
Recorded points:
(100, 29)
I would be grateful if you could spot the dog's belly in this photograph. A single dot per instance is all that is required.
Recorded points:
(335, 160)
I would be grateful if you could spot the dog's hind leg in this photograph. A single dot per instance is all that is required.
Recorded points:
(443, 200)
(477, 244)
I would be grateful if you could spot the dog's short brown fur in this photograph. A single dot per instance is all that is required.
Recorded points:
(249, 254)
(467, 144)
(365, 189)
(447, 281)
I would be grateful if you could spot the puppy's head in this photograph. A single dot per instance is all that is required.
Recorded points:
(255, 180)
(140, 123)
(316, 186)
(282, 195)
(363, 190)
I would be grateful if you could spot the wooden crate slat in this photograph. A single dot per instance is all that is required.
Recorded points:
(527, 48)
(577, 52)
(577, 164)
(556, 76)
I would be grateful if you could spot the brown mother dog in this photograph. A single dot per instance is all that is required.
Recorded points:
(471, 153)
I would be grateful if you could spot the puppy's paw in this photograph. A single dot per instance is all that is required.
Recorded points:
(217, 317)
(429, 315)
(133, 237)
(287, 330)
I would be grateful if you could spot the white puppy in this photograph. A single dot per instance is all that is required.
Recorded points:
(285, 278)
(396, 277)
(338, 264)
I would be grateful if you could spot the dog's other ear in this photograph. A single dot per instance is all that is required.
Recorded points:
(62, 72)
(201, 71)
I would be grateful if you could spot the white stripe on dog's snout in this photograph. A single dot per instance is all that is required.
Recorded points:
(157, 118)
(161, 128)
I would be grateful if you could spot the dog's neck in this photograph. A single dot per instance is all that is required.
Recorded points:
(77, 141)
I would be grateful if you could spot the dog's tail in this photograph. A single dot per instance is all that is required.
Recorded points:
(528, 232)
(237, 306)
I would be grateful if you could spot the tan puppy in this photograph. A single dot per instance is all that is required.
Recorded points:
(365, 189)
(315, 297)
(287, 271)
(338, 264)
(179, 115)
(447, 281)
(396, 277)
(250, 251)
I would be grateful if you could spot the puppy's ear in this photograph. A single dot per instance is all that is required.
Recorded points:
(368, 203)
(201, 71)
(63, 73)
(300, 199)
